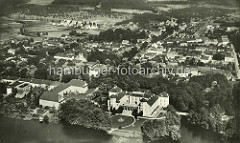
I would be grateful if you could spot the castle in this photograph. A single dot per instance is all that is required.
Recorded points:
(130, 101)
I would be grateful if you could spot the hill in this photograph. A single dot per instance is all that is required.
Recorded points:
(123, 4)
(9, 6)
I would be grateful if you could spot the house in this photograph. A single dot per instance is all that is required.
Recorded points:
(210, 42)
(81, 57)
(56, 96)
(201, 48)
(125, 42)
(11, 86)
(22, 89)
(47, 84)
(12, 51)
(10, 79)
(206, 58)
(229, 58)
(172, 55)
(97, 69)
(130, 101)
(195, 72)
(225, 40)
(64, 56)
(154, 50)
(183, 44)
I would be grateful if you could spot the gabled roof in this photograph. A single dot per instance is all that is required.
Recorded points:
(164, 94)
(38, 81)
(143, 100)
(15, 84)
(50, 96)
(152, 100)
(53, 94)
(119, 96)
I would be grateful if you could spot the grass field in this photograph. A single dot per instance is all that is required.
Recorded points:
(122, 4)
(41, 2)
(121, 121)
(166, 5)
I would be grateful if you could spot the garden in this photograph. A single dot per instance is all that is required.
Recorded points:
(121, 121)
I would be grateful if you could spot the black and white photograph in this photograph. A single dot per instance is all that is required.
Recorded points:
(119, 71)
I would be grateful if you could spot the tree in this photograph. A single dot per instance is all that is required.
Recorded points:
(23, 72)
(84, 113)
(159, 89)
(236, 91)
(164, 130)
(46, 118)
(67, 78)
(218, 56)
(41, 73)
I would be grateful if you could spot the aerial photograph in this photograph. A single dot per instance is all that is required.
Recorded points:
(119, 71)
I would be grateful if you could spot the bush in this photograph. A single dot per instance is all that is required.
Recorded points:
(35, 115)
(46, 107)
(46, 118)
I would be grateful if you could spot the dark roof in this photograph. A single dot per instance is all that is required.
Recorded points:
(164, 94)
(50, 96)
(38, 81)
(136, 94)
(15, 84)
(143, 100)
(152, 100)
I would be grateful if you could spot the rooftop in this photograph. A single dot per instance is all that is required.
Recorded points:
(53, 95)
(152, 100)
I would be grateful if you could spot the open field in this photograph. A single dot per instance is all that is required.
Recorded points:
(166, 5)
(120, 121)
(122, 4)
(41, 2)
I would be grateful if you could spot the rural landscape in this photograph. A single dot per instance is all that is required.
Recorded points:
(119, 71)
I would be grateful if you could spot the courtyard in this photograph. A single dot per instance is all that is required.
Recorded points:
(121, 121)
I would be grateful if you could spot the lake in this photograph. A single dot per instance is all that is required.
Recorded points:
(19, 131)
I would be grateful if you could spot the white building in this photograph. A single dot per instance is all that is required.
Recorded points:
(64, 56)
(131, 101)
(55, 97)
(12, 51)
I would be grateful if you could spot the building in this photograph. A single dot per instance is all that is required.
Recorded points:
(130, 101)
(155, 50)
(225, 40)
(12, 51)
(56, 96)
(125, 42)
(64, 56)
(20, 89)
(47, 84)
(98, 69)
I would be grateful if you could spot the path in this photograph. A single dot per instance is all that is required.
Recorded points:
(236, 62)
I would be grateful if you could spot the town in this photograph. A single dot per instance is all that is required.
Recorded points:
(122, 72)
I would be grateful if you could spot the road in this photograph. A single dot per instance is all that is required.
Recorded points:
(236, 62)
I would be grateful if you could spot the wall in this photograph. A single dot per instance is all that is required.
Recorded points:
(45, 103)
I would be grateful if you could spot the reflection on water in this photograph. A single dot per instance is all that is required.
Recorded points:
(192, 134)
(18, 131)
